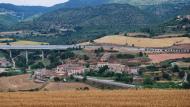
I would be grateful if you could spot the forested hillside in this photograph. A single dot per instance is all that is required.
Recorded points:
(105, 18)
(21, 11)
(168, 11)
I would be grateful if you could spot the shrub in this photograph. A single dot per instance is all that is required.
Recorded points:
(125, 56)
(148, 81)
(166, 76)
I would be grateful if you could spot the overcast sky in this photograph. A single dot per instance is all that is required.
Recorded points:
(33, 2)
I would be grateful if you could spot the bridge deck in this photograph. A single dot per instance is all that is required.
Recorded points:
(36, 47)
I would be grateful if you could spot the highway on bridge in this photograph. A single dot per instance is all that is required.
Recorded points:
(36, 47)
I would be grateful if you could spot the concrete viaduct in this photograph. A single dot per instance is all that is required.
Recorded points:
(35, 47)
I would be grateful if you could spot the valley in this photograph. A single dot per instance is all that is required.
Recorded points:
(95, 53)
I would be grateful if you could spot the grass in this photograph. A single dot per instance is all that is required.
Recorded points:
(143, 42)
(4, 39)
(23, 42)
(19, 82)
(97, 98)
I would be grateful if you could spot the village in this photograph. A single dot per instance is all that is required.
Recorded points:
(137, 67)
(103, 65)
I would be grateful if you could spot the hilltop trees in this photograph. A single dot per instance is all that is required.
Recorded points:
(175, 68)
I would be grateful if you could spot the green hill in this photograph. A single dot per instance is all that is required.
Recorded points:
(85, 3)
(117, 17)
(22, 12)
(90, 22)
(6, 21)
(168, 11)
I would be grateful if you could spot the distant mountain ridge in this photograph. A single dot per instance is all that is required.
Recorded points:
(86, 3)
(11, 14)
(22, 11)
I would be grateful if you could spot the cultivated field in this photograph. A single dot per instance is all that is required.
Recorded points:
(16, 83)
(182, 64)
(117, 98)
(156, 58)
(143, 42)
(21, 42)
(53, 86)
(24, 42)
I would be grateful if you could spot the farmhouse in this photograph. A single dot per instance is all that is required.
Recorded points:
(132, 70)
(112, 66)
(116, 67)
(4, 63)
(70, 69)
(43, 75)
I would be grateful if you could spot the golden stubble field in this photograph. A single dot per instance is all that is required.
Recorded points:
(97, 98)
(16, 83)
(53, 86)
(143, 42)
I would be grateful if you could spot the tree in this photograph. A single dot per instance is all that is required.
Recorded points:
(188, 77)
(125, 56)
(123, 77)
(140, 54)
(57, 79)
(38, 65)
(87, 65)
(175, 68)
(84, 78)
(148, 81)
(166, 76)
(152, 68)
(102, 70)
(181, 74)
(99, 50)
(85, 57)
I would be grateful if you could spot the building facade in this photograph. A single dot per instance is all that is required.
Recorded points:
(70, 69)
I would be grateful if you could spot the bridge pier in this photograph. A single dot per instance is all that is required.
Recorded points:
(10, 54)
(12, 59)
(27, 57)
(43, 55)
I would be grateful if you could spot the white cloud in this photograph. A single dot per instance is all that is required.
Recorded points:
(33, 2)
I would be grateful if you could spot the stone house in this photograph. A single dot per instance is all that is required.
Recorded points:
(70, 69)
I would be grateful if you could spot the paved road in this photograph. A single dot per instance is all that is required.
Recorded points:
(36, 47)
(115, 47)
(108, 82)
